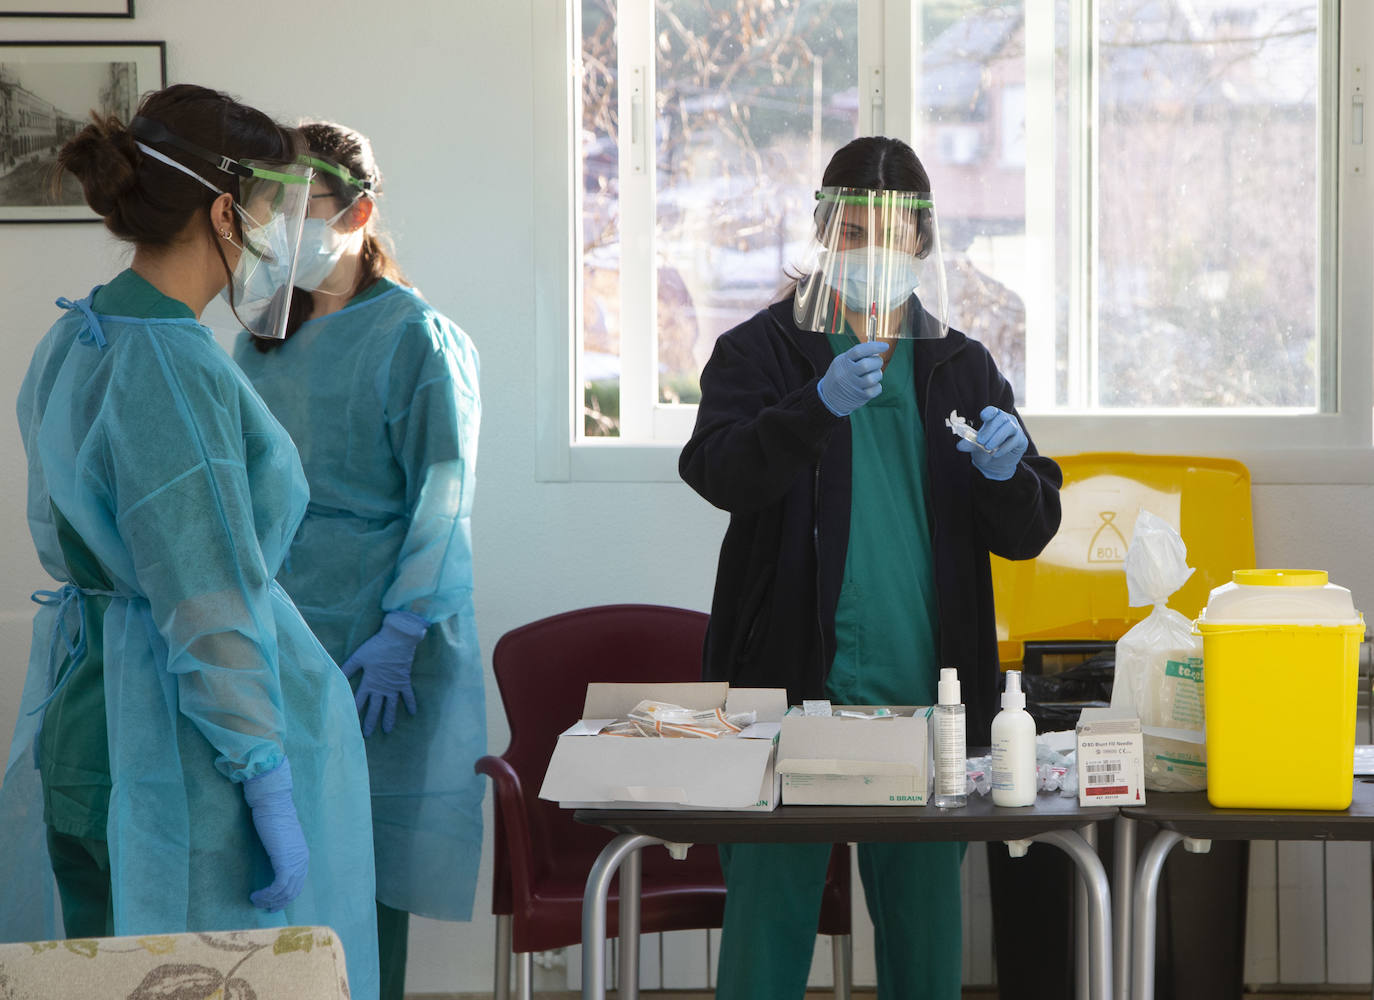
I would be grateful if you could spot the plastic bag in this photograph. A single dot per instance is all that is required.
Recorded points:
(659, 718)
(1054, 768)
(1159, 661)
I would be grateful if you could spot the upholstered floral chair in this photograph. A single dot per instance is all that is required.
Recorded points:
(303, 963)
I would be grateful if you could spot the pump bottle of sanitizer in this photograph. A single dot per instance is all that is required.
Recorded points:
(947, 722)
(1014, 779)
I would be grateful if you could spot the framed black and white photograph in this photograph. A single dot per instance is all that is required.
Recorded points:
(66, 8)
(47, 93)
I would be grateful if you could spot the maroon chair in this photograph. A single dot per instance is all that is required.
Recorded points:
(542, 855)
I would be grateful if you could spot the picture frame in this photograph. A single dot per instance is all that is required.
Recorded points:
(47, 92)
(67, 8)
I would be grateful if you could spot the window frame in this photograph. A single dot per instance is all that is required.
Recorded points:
(1335, 447)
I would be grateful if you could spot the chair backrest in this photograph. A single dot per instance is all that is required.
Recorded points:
(1076, 588)
(542, 670)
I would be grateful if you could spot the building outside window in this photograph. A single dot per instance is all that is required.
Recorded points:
(1146, 205)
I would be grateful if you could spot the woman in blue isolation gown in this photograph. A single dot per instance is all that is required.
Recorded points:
(187, 756)
(379, 392)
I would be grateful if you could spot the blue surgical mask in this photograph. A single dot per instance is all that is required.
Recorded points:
(894, 277)
(262, 273)
(321, 247)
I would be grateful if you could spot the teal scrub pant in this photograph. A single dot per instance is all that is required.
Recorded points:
(81, 866)
(393, 939)
(773, 905)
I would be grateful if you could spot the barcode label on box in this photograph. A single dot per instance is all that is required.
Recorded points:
(1110, 762)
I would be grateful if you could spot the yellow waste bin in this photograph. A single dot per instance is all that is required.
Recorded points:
(1280, 653)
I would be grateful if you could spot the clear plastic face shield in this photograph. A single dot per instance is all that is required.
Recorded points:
(874, 268)
(275, 201)
(272, 204)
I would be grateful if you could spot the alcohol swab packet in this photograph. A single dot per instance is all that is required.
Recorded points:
(963, 429)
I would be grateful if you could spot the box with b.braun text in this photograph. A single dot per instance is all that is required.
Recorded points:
(1111, 759)
(591, 768)
(858, 755)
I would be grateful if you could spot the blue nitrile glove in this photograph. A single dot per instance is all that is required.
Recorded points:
(385, 661)
(1005, 441)
(854, 377)
(274, 816)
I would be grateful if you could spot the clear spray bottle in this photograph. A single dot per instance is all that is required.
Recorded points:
(951, 737)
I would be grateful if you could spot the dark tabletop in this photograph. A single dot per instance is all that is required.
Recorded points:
(1190, 814)
(979, 820)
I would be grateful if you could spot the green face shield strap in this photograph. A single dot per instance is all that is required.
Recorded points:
(363, 185)
(898, 198)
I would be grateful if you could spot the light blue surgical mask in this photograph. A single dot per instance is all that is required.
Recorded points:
(321, 247)
(894, 277)
(262, 274)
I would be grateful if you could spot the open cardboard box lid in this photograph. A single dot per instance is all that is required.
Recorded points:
(835, 744)
(727, 773)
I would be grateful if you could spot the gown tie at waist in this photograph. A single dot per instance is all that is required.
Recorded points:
(75, 645)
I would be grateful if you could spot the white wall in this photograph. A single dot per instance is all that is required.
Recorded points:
(443, 88)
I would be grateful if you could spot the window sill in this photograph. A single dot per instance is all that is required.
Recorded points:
(619, 462)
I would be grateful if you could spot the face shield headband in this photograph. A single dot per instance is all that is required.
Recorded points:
(874, 268)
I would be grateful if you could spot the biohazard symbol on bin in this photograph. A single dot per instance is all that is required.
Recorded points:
(1107, 545)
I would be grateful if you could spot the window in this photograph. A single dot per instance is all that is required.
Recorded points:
(1148, 207)
(704, 128)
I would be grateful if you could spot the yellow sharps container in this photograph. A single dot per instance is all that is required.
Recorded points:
(1280, 654)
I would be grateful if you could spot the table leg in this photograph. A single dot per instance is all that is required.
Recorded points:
(594, 910)
(501, 988)
(1094, 877)
(1082, 948)
(1123, 878)
(1082, 945)
(627, 983)
(1143, 916)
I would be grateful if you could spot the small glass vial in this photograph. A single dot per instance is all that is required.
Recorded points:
(951, 752)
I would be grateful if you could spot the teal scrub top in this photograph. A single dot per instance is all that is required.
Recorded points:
(886, 623)
(73, 757)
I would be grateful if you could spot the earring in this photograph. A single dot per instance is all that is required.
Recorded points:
(225, 234)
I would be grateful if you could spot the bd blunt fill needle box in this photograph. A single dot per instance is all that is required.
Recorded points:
(1111, 759)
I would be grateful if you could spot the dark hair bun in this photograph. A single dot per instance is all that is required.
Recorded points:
(104, 158)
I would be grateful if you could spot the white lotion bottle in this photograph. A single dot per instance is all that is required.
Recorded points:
(1014, 778)
(951, 744)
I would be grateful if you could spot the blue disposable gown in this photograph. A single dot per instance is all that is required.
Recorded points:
(381, 399)
(160, 455)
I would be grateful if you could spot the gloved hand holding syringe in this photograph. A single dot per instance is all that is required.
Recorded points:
(962, 428)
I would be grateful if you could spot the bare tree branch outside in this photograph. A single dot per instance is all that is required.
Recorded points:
(1204, 248)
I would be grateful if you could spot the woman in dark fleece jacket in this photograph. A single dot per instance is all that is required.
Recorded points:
(855, 564)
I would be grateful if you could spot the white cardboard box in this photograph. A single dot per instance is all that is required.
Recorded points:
(834, 760)
(1111, 759)
(607, 772)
